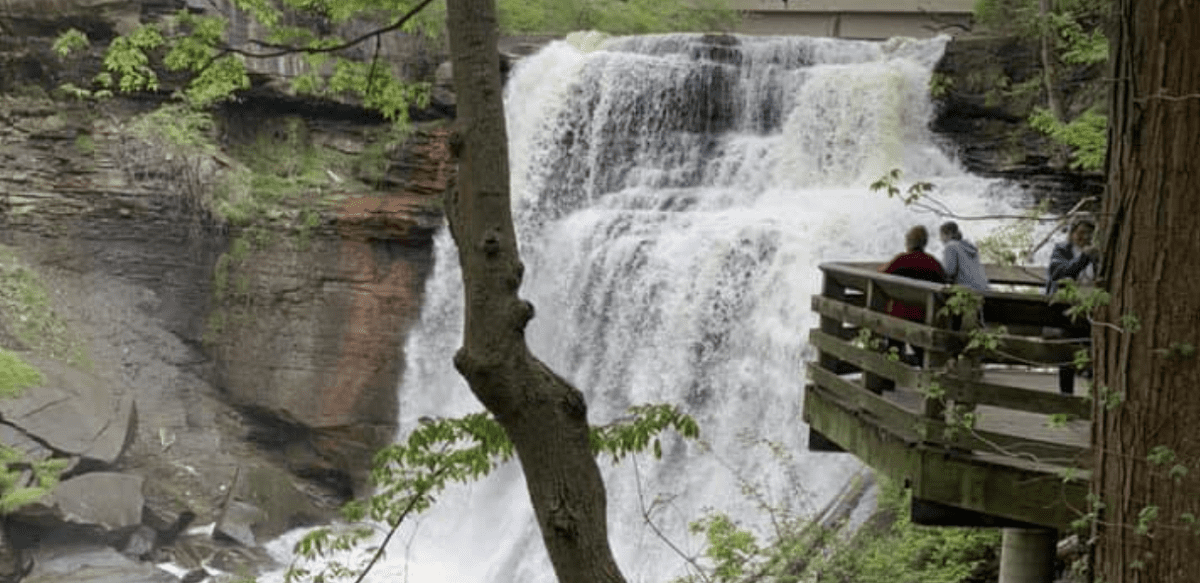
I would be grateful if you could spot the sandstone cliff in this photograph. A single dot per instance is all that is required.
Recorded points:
(206, 350)
(222, 319)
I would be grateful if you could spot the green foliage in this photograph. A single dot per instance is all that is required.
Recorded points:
(127, 59)
(85, 144)
(940, 85)
(1084, 301)
(187, 130)
(15, 469)
(890, 184)
(903, 552)
(1108, 398)
(217, 81)
(731, 550)
(638, 432)
(1177, 350)
(16, 375)
(614, 16)
(26, 311)
(961, 301)
(1086, 135)
(437, 453)
(1146, 518)
(1074, 29)
(1009, 243)
(887, 549)
(70, 41)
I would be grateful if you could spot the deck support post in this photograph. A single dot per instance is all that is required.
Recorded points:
(1027, 555)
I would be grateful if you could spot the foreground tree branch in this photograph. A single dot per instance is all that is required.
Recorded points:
(543, 415)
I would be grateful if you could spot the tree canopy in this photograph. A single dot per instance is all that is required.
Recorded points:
(339, 62)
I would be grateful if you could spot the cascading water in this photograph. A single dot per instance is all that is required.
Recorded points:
(674, 196)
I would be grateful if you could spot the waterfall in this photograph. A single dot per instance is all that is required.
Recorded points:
(673, 197)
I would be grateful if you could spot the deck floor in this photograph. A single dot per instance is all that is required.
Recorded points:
(1030, 425)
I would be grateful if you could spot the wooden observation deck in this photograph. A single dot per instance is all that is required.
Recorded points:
(1022, 463)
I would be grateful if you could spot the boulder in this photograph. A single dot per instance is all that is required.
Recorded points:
(108, 501)
(13, 562)
(263, 502)
(74, 412)
(93, 565)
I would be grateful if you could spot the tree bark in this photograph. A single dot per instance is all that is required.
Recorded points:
(544, 416)
(1050, 62)
(1145, 532)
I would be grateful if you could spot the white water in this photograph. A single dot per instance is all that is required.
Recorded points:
(672, 213)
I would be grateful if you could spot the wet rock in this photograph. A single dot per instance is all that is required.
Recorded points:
(93, 565)
(141, 543)
(22, 442)
(237, 522)
(988, 128)
(13, 563)
(264, 502)
(239, 560)
(195, 576)
(74, 412)
(108, 501)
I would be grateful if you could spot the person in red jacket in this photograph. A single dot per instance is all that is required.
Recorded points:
(917, 264)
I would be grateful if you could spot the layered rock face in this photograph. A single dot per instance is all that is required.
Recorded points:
(988, 89)
(203, 370)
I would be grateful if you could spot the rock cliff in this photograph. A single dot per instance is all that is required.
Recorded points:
(207, 355)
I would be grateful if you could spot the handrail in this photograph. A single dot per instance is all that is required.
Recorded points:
(1013, 405)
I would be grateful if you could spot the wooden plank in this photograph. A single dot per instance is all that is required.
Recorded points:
(1045, 497)
(875, 362)
(984, 392)
(1038, 351)
(1031, 309)
(871, 407)
(894, 286)
(898, 328)
(1028, 275)
(981, 440)
(1015, 492)
(931, 513)
(890, 454)
(903, 422)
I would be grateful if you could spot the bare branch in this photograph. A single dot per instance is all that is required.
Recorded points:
(288, 50)
(654, 527)
(1165, 97)
(1066, 217)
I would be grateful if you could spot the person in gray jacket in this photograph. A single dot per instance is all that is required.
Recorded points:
(960, 259)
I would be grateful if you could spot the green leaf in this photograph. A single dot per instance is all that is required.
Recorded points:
(70, 41)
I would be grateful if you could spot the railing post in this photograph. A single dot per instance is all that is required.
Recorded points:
(934, 407)
(871, 381)
(830, 288)
(968, 368)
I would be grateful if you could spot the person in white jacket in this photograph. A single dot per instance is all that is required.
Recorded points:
(960, 259)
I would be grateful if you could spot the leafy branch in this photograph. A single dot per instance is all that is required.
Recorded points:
(440, 452)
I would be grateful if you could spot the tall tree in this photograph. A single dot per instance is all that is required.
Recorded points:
(1146, 445)
(543, 415)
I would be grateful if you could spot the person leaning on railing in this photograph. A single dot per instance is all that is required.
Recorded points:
(1076, 259)
(917, 264)
(960, 259)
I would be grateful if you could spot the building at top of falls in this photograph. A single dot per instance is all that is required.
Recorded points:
(854, 19)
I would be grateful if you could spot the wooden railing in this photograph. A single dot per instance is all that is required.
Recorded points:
(980, 433)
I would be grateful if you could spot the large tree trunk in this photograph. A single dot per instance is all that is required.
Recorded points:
(544, 416)
(1152, 262)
